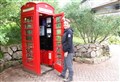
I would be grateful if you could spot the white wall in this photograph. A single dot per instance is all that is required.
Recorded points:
(95, 3)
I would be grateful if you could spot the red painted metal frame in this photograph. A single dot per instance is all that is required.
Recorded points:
(58, 67)
(34, 65)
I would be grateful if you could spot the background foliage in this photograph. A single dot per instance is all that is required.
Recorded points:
(10, 19)
(89, 27)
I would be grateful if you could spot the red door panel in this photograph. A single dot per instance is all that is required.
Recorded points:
(58, 32)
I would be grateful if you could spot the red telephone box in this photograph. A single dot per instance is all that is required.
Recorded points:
(42, 32)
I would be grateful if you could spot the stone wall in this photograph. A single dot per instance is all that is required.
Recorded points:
(88, 53)
(11, 56)
(91, 53)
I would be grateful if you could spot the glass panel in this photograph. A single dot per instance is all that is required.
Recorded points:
(58, 31)
(58, 22)
(28, 26)
(29, 50)
(59, 61)
(28, 37)
(29, 53)
(58, 25)
(28, 31)
(29, 45)
(28, 19)
(58, 19)
(59, 49)
(58, 38)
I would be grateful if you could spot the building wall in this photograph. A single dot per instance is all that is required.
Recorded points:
(104, 6)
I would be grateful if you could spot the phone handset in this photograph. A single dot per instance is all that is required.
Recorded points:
(48, 32)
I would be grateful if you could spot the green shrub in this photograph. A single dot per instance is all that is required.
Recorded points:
(1, 55)
(10, 34)
(77, 40)
(3, 38)
(14, 34)
(114, 40)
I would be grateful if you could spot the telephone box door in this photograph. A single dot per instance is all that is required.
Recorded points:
(30, 54)
(58, 32)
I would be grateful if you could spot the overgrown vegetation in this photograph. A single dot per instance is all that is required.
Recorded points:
(1, 55)
(10, 20)
(88, 26)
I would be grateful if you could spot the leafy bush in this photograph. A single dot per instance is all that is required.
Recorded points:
(3, 38)
(13, 34)
(1, 55)
(114, 40)
(10, 34)
(88, 26)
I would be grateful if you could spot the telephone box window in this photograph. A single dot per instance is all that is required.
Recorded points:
(28, 19)
(28, 31)
(58, 38)
(28, 38)
(29, 45)
(29, 50)
(29, 53)
(58, 31)
(28, 26)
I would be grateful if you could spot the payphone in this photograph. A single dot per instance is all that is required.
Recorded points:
(41, 31)
(46, 33)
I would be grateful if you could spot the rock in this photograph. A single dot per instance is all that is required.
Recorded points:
(19, 47)
(83, 50)
(17, 55)
(78, 54)
(7, 64)
(79, 46)
(10, 51)
(89, 50)
(14, 63)
(88, 55)
(105, 47)
(98, 52)
(88, 61)
(75, 49)
(98, 48)
(84, 54)
(92, 45)
(1, 65)
(14, 48)
(4, 48)
(7, 57)
(86, 46)
(93, 54)
(78, 59)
